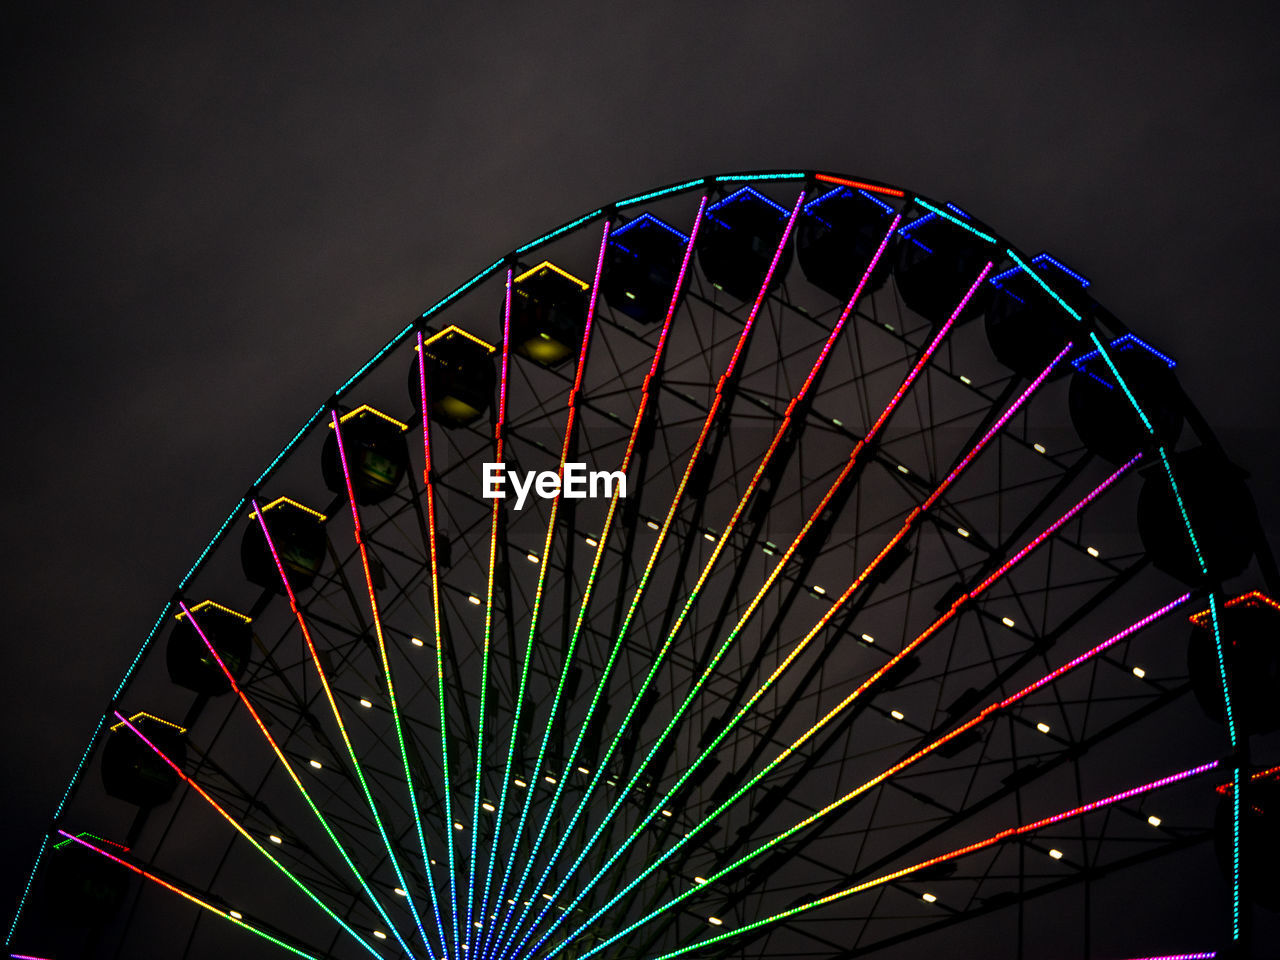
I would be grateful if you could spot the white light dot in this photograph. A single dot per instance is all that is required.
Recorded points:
(457, 825)
(531, 557)
(1038, 447)
(400, 892)
(838, 423)
(236, 914)
(1154, 820)
(366, 703)
(699, 879)
(709, 536)
(819, 590)
(652, 525)
(714, 921)
(962, 531)
(316, 764)
(520, 783)
(897, 714)
(902, 469)
(379, 934)
(416, 641)
(928, 897)
(965, 380)
(869, 638)
(1007, 621)
(1091, 551)
(1139, 672)
(473, 600)
(592, 542)
(1056, 854)
(274, 839)
(549, 779)
(584, 770)
(546, 896)
(1042, 727)
(666, 813)
(488, 806)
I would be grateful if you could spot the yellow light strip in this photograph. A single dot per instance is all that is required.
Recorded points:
(211, 604)
(294, 503)
(365, 408)
(150, 716)
(547, 264)
(454, 328)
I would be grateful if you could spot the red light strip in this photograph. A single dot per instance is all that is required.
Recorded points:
(203, 904)
(859, 185)
(1003, 835)
(243, 832)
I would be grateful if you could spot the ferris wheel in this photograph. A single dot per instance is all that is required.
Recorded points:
(771, 564)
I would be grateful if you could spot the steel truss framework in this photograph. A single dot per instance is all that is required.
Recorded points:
(869, 660)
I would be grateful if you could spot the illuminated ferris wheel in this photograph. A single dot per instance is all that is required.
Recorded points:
(860, 587)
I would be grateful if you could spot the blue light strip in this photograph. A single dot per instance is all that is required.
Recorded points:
(647, 217)
(1122, 343)
(734, 198)
(954, 219)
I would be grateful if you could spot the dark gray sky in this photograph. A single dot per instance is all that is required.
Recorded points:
(214, 213)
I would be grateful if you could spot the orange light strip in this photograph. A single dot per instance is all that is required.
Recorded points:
(1251, 600)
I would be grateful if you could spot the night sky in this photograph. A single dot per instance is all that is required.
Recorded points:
(215, 213)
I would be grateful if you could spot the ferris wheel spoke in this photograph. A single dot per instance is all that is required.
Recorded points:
(1008, 833)
(643, 412)
(190, 897)
(240, 829)
(728, 378)
(297, 781)
(709, 668)
(351, 751)
(987, 713)
(566, 449)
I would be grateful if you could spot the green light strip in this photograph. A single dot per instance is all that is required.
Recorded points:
(346, 739)
(297, 781)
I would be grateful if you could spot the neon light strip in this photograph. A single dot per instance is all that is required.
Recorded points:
(780, 433)
(454, 328)
(1236, 906)
(297, 781)
(1251, 600)
(391, 690)
(555, 233)
(1006, 834)
(439, 644)
(187, 896)
(346, 739)
(1183, 956)
(537, 601)
(498, 432)
(987, 712)
(548, 265)
(839, 708)
(1044, 286)
(804, 642)
(365, 408)
(654, 194)
(665, 528)
(741, 177)
(149, 716)
(601, 545)
(956, 220)
(86, 835)
(239, 828)
(859, 185)
(211, 605)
